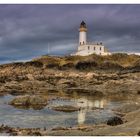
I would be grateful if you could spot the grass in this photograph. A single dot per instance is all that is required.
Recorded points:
(120, 59)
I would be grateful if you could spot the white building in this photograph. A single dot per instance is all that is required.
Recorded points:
(87, 48)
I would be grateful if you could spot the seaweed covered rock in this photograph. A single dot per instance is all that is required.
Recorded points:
(35, 102)
(66, 108)
(115, 121)
(139, 133)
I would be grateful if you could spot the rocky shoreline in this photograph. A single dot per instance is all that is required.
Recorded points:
(114, 76)
(128, 125)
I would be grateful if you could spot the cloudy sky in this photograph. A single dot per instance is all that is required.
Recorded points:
(26, 31)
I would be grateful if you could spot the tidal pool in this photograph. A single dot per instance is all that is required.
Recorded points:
(49, 118)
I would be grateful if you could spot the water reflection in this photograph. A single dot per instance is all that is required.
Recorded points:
(49, 118)
(87, 106)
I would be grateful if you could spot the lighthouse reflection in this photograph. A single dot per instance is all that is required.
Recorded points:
(86, 106)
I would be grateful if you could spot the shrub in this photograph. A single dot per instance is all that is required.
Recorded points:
(86, 65)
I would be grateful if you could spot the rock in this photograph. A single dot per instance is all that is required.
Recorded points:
(66, 83)
(138, 133)
(89, 75)
(30, 77)
(34, 133)
(134, 115)
(59, 128)
(119, 114)
(6, 129)
(66, 108)
(138, 92)
(128, 108)
(115, 121)
(33, 101)
(97, 108)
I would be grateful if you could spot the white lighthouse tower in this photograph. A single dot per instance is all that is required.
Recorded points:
(82, 33)
(87, 48)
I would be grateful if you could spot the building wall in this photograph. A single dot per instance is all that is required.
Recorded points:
(91, 49)
(82, 38)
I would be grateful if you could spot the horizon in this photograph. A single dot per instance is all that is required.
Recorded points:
(26, 30)
(28, 60)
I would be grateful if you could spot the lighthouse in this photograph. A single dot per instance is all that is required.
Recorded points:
(87, 48)
(82, 33)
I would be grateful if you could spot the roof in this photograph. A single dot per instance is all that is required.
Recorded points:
(83, 24)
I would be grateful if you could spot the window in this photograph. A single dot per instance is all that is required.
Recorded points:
(88, 47)
(100, 48)
(94, 48)
(80, 43)
(83, 42)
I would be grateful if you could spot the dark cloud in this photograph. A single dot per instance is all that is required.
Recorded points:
(27, 30)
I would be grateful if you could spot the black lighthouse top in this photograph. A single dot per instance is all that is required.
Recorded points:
(83, 24)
